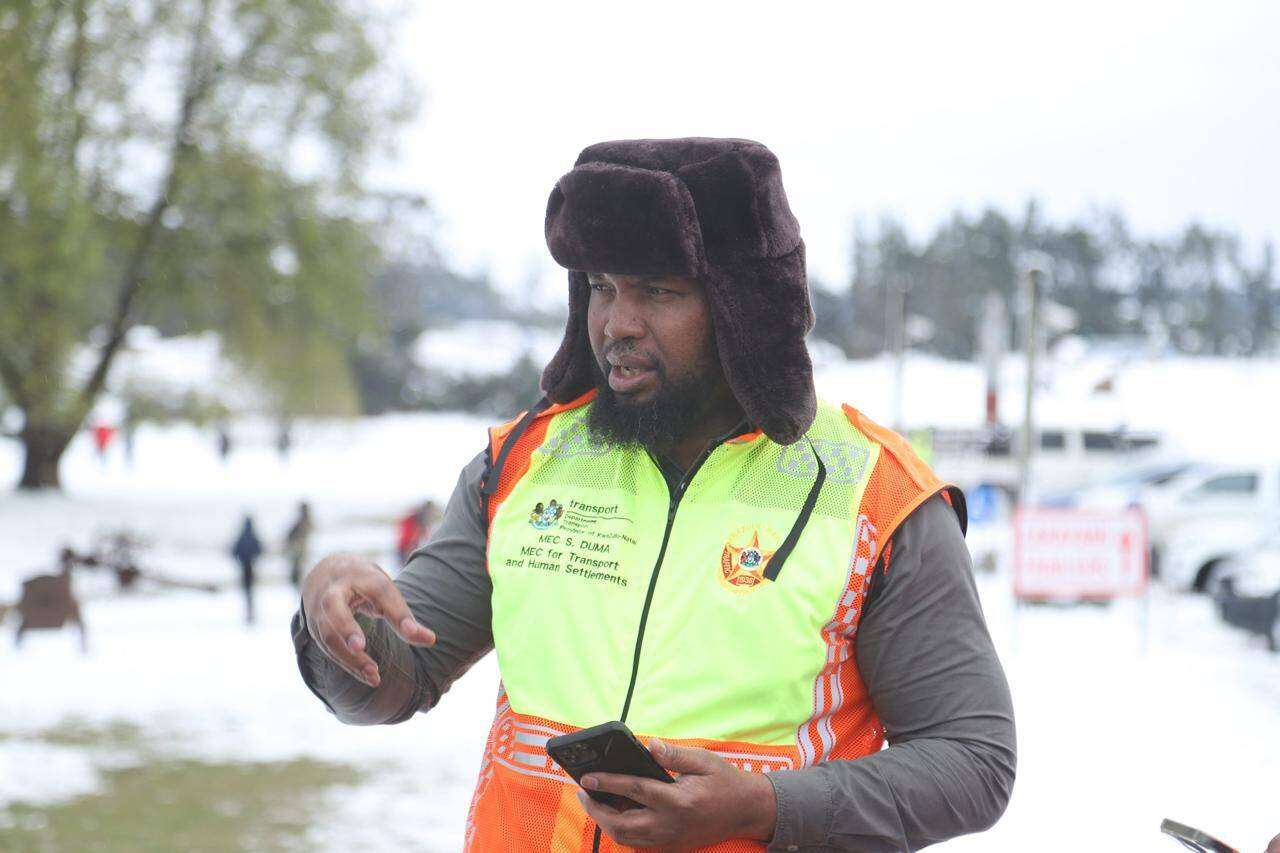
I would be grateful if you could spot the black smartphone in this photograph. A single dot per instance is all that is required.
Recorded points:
(606, 748)
(1193, 838)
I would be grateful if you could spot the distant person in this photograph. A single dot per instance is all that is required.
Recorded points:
(415, 529)
(130, 436)
(408, 534)
(247, 549)
(224, 443)
(284, 440)
(102, 437)
(431, 515)
(297, 542)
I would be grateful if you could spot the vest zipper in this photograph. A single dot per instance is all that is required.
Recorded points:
(673, 505)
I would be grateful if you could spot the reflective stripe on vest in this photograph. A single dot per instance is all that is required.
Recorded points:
(615, 599)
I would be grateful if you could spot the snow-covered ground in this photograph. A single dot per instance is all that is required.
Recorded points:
(1113, 736)
(183, 667)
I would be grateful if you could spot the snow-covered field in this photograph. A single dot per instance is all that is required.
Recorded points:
(183, 666)
(1113, 736)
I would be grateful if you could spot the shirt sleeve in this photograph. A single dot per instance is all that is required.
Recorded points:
(446, 584)
(931, 670)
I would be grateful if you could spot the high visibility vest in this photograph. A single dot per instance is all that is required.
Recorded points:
(721, 614)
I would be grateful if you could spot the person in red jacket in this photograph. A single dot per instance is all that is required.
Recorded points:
(409, 534)
(102, 437)
(415, 529)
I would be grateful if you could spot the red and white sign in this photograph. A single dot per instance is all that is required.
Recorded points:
(1074, 553)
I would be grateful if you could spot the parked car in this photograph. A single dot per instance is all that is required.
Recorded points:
(1064, 458)
(1192, 557)
(1208, 517)
(1140, 486)
(1247, 591)
(1128, 489)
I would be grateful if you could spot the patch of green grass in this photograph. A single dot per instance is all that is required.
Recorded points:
(76, 732)
(166, 804)
(182, 805)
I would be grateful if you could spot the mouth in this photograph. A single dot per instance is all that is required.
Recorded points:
(631, 378)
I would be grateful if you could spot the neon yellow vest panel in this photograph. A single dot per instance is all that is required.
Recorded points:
(726, 653)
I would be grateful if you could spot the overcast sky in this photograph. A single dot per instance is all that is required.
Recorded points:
(1169, 111)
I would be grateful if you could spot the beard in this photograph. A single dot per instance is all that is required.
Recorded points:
(662, 421)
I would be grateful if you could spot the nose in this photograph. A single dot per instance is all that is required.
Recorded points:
(624, 320)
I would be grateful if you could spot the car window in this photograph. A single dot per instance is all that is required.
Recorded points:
(1052, 439)
(1101, 441)
(1228, 485)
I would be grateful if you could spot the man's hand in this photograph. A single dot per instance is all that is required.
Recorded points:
(335, 590)
(710, 801)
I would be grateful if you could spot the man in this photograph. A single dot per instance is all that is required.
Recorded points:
(761, 586)
(246, 549)
(297, 542)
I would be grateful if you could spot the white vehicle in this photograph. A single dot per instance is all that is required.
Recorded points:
(1065, 457)
(1255, 572)
(1193, 556)
(1147, 486)
(1135, 488)
(1215, 515)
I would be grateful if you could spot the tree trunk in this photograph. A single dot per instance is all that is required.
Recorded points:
(44, 447)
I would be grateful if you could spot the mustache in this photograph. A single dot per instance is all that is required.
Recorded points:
(627, 348)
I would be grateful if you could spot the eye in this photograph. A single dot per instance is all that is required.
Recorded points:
(657, 291)
(599, 287)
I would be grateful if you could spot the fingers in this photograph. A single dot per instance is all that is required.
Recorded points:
(598, 810)
(342, 639)
(681, 813)
(685, 759)
(341, 585)
(631, 827)
(383, 599)
(646, 792)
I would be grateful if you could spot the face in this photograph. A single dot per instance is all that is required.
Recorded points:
(654, 346)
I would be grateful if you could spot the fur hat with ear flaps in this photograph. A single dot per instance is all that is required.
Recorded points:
(712, 209)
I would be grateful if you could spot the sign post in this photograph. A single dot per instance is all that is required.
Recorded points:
(1080, 555)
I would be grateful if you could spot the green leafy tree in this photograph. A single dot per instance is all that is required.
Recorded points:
(197, 164)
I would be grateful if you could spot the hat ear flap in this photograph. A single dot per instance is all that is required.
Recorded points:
(571, 372)
(761, 313)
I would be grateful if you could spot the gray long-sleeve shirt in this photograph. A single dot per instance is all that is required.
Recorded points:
(923, 651)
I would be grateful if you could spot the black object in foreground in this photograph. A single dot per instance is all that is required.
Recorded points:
(1194, 839)
(1257, 614)
(606, 748)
